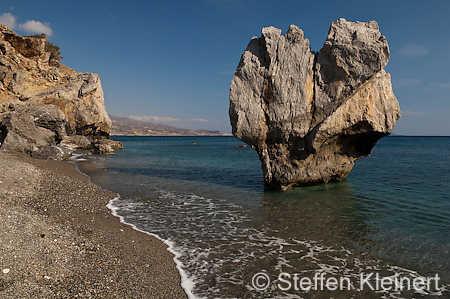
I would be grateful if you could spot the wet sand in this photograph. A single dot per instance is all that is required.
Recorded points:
(58, 239)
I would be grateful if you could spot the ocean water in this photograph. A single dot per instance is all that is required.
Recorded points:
(204, 197)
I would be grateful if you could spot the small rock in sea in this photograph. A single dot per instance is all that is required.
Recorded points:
(6, 271)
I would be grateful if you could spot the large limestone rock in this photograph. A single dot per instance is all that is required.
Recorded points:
(81, 100)
(30, 74)
(44, 103)
(19, 132)
(34, 130)
(49, 117)
(311, 116)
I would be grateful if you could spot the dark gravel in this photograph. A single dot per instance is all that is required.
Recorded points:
(58, 239)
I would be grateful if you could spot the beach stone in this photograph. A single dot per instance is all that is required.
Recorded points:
(101, 149)
(34, 130)
(76, 142)
(309, 115)
(105, 146)
(19, 132)
(56, 153)
(115, 145)
(49, 117)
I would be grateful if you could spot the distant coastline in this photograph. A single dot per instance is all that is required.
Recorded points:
(125, 126)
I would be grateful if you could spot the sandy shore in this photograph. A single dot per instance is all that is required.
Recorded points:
(58, 239)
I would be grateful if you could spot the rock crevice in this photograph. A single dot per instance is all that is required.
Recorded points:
(311, 116)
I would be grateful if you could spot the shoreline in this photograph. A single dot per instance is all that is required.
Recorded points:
(59, 239)
(186, 283)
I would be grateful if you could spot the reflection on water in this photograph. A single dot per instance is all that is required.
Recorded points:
(321, 212)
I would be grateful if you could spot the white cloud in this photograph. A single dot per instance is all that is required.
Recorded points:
(413, 51)
(32, 26)
(169, 120)
(441, 85)
(37, 27)
(187, 123)
(8, 19)
(201, 120)
(166, 119)
(156, 119)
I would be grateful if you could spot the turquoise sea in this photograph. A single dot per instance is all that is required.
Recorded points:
(204, 197)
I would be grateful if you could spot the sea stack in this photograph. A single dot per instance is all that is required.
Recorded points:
(309, 115)
(47, 109)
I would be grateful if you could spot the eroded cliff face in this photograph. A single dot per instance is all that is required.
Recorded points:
(29, 75)
(35, 86)
(311, 116)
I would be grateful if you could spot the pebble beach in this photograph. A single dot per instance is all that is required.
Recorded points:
(59, 240)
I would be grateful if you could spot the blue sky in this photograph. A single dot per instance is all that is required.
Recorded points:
(172, 62)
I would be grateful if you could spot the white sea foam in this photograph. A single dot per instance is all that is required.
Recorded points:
(77, 157)
(186, 283)
(208, 235)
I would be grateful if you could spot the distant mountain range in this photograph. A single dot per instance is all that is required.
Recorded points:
(125, 126)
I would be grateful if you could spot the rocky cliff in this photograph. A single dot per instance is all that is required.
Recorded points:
(34, 86)
(309, 115)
